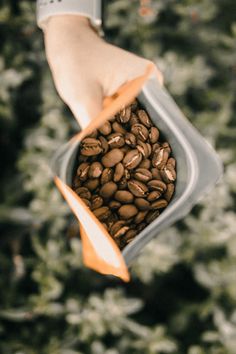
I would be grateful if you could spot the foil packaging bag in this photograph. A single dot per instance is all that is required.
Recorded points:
(198, 169)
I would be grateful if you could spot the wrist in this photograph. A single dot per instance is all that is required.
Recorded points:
(61, 22)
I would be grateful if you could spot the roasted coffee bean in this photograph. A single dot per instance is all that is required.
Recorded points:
(125, 114)
(112, 158)
(83, 192)
(92, 184)
(154, 195)
(144, 148)
(130, 139)
(169, 191)
(119, 172)
(87, 202)
(156, 174)
(144, 119)
(115, 140)
(95, 170)
(124, 197)
(171, 161)
(159, 204)
(140, 216)
(142, 204)
(152, 215)
(133, 119)
(96, 202)
(105, 129)
(104, 144)
(156, 184)
(145, 163)
(132, 159)
(129, 236)
(117, 226)
(82, 171)
(137, 188)
(160, 158)
(108, 189)
(140, 131)
(127, 211)
(154, 135)
(168, 174)
(126, 174)
(102, 213)
(114, 204)
(107, 175)
(117, 127)
(90, 147)
(142, 174)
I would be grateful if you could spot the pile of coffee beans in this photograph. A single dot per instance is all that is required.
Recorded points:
(125, 173)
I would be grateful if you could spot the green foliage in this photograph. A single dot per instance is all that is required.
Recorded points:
(183, 295)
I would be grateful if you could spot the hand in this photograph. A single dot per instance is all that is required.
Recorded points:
(85, 68)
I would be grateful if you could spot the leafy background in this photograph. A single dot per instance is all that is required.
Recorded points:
(183, 292)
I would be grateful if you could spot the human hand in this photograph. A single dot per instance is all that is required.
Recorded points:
(85, 68)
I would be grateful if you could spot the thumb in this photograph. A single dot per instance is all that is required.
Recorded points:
(88, 104)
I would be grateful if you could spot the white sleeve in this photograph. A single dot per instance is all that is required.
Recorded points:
(88, 8)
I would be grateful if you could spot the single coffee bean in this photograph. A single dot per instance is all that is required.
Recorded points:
(160, 158)
(168, 174)
(129, 236)
(145, 163)
(117, 127)
(144, 148)
(154, 135)
(137, 188)
(86, 202)
(108, 189)
(142, 174)
(114, 204)
(169, 191)
(83, 192)
(127, 211)
(144, 119)
(159, 204)
(167, 147)
(152, 215)
(124, 196)
(104, 144)
(112, 157)
(141, 226)
(115, 140)
(140, 131)
(154, 195)
(121, 232)
(132, 159)
(119, 172)
(133, 119)
(116, 226)
(105, 129)
(92, 184)
(96, 202)
(171, 161)
(82, 171)
(125, 115)
(102, 213)
(130, 139)
(90, 147)
(95, 170)
(142, 204)
(156, 174)
(140, 216)
(156, 184)
(107, 175)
